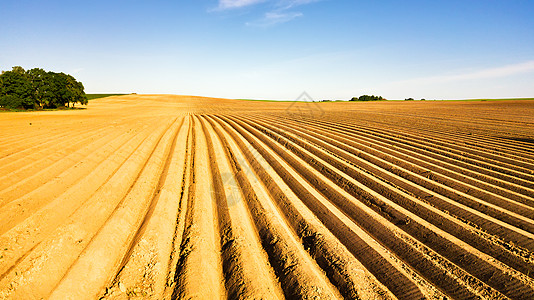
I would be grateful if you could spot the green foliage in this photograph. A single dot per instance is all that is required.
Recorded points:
(368, 98)
(15, 85)
(37, 88)
(11, 102)
(409, 99)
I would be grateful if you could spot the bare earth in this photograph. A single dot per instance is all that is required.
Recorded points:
(161, 197)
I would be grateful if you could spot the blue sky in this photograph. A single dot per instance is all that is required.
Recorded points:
(276, 49)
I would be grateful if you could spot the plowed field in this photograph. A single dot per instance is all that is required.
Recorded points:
(185, 197)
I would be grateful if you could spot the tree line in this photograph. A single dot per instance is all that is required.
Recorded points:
(367, 98)
(39, 89)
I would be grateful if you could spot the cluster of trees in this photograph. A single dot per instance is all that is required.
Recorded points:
(367, 98)
(38, 89)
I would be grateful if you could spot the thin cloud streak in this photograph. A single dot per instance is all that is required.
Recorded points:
(288, 4)
(280, 10)
(274, 18)
(231, 4)
(504, 71)
(280, 5)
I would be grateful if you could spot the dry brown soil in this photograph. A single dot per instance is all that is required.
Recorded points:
(160, 197)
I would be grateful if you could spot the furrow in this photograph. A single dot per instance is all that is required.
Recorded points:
(187, 197)
(436, 139)
(523, 176)
(26, 146)
(349, 275)
(419, 188)
(409, 160)
(180, 222)
(143, 270)
(429, 213)
(99, 261)
(41, 159)
(199, 272)
(518, 151)
(62, 228)
(19, 209)
(477, 174)
(353, 237)
(424, 232)
(299, 276)
(17, 186)
(245, 264)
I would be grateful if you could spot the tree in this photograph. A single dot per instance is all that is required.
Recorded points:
(75, 91)
(38, 85)
(58, 84)
(64, 89)
(15, 85)
(368, 98)
(10, 101)
(37, 88)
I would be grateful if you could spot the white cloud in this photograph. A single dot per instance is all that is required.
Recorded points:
(274, 18)
(229, 4)
(507, 81)
(280, 4)
(503, 71)
(287, 4)
(278, 14)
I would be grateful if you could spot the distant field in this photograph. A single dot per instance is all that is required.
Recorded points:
(503, 99)
(96, 96)
(180, 197)
(482, 99)
(260, 100)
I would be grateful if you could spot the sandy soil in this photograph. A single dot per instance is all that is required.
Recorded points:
(163, 197)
